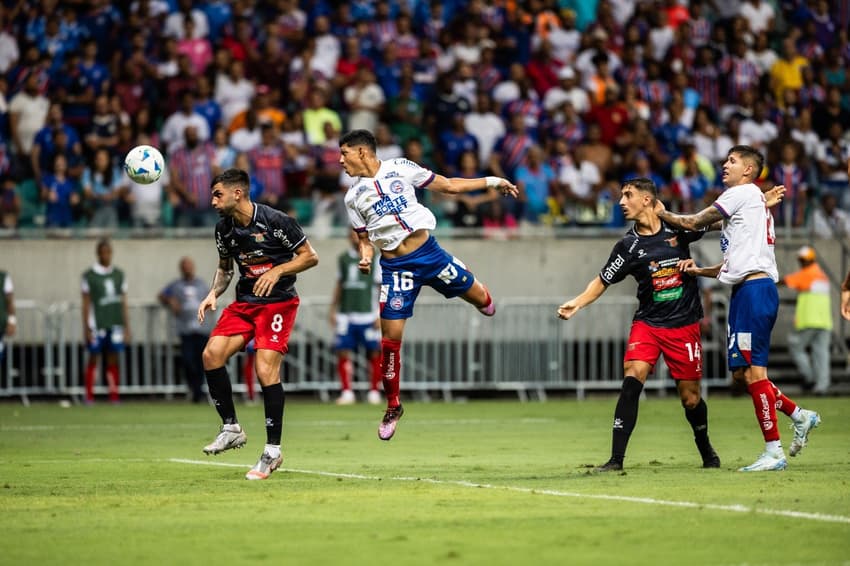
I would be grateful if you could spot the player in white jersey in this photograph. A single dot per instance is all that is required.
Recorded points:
(383, 210)
(749, 265)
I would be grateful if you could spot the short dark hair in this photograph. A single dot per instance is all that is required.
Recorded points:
(642, 184)
(359, 137)
(751, 154)
(233, 177)
(102, 243)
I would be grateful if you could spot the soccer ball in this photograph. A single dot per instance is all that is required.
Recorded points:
(144, 164)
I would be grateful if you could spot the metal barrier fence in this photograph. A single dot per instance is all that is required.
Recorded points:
(448, 349)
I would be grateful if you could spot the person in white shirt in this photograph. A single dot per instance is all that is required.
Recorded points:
(828, 221)
(174, 126)
(747, 238)
(383, 210)
(567, 90)
(485, 125)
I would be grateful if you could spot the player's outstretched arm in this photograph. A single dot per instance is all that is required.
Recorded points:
(221, 280)
(592, 292)
(706, 218)
(458, 185)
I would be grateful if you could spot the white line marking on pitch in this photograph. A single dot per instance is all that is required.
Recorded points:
(555, 493)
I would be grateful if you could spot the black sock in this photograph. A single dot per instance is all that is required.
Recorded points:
(625, 417)
(698, 418)
(273, 402)
(221, 392)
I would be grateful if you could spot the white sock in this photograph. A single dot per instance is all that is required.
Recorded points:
(272, 450)
(797, 414)
(773, 446)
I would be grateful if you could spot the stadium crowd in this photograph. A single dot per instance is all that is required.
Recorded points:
(567, 98)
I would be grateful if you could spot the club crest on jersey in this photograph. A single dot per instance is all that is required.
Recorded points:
(259, 237)
(396, 303)
(673, 241)
(396, 187)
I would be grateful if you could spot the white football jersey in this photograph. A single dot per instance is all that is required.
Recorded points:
(385, 205)
(747, 237)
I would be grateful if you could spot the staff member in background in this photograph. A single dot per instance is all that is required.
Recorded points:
(812, 321)
(182, 297)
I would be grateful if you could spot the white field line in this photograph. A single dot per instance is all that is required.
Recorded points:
(288, 424)
(551, 492)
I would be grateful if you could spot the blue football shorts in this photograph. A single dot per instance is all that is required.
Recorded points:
(403, 277)
(350, 335)
(752, 314)
(107, 340)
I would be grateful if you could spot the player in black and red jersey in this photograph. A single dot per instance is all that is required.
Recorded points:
(270, 248)
(666, 321)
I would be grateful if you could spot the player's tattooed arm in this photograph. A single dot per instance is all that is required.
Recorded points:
(223, 275)
(706, 218)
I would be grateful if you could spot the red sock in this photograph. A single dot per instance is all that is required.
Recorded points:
(390, 369)
(112, 381)
(375, 374)
(489, 309)
(249, 375)
(783, 403)
(91, 375)
(343, 370)
(764, 402)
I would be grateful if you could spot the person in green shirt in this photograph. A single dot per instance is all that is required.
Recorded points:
(105, 319)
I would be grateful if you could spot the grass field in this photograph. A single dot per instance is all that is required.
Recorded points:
(483, 482)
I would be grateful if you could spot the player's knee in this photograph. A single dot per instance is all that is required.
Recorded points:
(212, 359)
(690, 400)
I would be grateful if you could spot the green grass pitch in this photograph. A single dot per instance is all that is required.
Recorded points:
(483, 482)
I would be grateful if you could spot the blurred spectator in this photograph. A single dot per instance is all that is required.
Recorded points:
(365, 101)
(831, 159)
(828, 221)
(534, 178)
(225, 155)
(789, 173)
(175, 23)
(485, 125)
(315, 116)
(44, 147)
(241, 41)
(830, 112)
(759, 131)
(471, 208)
(27, 115)
(803, 133)
(388, 148)
(174, 127)
(10, 203)
(267, 162)
(102, 187)
(452, 144)
(95, 73)
(103, 133)
(511, 148)
(9, 51)
(205, 104)
(709, 139)
(758, 14)
(233, 91)
(185, 79)
(264, 108)
(611, 115)
(192, 169)
(581, 182)
(196, 48)
(405, 112)
(566, 91)
(60, 194)
(248, 135)
(787, 72)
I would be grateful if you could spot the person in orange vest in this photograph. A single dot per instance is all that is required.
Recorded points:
(809, 342)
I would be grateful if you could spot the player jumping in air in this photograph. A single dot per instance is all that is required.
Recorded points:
(384, 211)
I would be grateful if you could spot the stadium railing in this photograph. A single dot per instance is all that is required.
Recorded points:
(449, 350)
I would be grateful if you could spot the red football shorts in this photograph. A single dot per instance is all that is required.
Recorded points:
(269, 325)
(682, 348)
